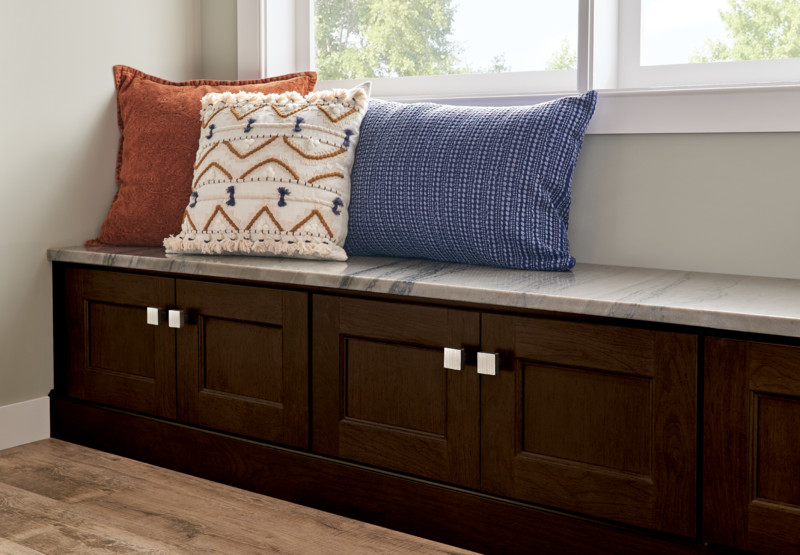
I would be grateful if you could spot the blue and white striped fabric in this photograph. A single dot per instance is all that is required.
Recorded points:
(487, 186)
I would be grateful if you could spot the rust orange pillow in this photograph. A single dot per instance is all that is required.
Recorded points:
(159, 123)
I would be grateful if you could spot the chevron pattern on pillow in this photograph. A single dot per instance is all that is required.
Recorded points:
(272, 175)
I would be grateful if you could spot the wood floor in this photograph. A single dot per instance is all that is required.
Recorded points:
(57, 497)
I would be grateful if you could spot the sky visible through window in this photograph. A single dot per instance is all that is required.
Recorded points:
(525, 34)
(672, 30)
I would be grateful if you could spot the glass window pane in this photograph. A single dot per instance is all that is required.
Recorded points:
(389, 38)
(698, 31)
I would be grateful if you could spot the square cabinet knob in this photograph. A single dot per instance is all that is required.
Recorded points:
(153, 316)
(488, 363)
(453, 359)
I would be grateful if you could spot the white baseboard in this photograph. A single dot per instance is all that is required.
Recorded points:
(24, 422)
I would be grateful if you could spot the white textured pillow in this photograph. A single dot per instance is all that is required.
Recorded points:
(272, 174)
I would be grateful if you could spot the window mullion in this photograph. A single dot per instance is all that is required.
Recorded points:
(585, 42)
(251, 35)
(630, 40)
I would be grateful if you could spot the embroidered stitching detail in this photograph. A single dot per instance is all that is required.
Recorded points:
(278, 180)
(287, 114)
(238, 117)
(219, 210)
(350, 112)
(263, 210)
(243, 156)
(186, 217)
(313, 156)
(283, 191)
(212, 116)
(325, 176)
(211, 165)
(275, 160)
(313, 213)
(200, 163)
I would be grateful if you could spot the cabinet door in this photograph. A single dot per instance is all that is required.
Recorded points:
(381, 393)
(115, 357)
(751, 493)
(593, 419)
(243, 360)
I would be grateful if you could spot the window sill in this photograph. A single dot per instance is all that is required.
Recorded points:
(767, 109)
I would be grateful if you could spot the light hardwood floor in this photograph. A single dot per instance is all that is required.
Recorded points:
(56, 497)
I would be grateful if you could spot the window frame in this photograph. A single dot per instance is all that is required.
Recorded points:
(265, 28)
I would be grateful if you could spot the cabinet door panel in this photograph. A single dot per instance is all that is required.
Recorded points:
(602, 418)
(243, 361)
(382, 395)
(599, 420)
(752, 446)
(124, 361)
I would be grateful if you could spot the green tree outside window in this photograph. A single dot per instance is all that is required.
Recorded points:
(758, 29)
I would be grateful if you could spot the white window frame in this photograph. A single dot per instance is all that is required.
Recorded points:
(274, 38)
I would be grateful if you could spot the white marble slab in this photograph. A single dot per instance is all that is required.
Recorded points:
(728, 302)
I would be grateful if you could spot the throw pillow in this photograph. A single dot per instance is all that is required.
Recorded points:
(476, 185)
(159, 127)
(272, 174)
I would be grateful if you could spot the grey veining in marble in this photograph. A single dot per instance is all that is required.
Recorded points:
(740, 303)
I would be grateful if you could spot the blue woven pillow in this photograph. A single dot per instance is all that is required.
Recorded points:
(486, 186)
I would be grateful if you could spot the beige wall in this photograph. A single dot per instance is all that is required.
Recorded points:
(726, 203)
(58, 139)
(219, 39)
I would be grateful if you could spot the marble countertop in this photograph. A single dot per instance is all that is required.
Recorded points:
(728, 302)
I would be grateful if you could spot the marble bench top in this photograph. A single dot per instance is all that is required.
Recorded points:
(718, 301)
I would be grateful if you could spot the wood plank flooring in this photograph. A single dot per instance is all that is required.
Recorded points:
(57, 497)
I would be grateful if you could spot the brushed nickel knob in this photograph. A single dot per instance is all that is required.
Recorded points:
(177, 318)
(454, 358)
(488, 363)
(154, 315)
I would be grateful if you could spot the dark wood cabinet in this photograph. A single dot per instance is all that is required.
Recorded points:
(238, 363)
(243, 360)
(382, 395)
(111, 355)
(595, 419)
(751, 493)
(592, 433)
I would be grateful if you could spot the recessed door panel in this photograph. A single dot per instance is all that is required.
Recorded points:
(588, 416)
(593, 419)
(382, 395)
(127, 363)
(243, 360)
(120, 340)
(377, 371)
(751, 494)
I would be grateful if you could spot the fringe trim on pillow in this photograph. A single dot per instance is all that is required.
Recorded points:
(215, 101)
(245, 243)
